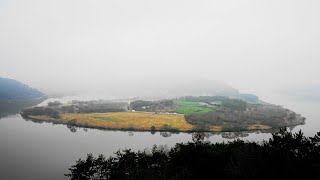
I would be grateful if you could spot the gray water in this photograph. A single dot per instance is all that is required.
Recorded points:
(34, 151)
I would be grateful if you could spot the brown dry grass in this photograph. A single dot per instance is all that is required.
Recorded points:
(127, 120)
(258, 126)
(216, 128)
(131, 120)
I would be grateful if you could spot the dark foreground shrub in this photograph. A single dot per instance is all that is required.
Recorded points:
(285, 155)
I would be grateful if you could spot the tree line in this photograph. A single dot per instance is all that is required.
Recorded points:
(270, 115)
(286, 155)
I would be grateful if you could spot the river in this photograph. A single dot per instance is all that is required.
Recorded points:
(34, 151)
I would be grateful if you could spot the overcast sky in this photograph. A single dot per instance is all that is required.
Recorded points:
(71, 44)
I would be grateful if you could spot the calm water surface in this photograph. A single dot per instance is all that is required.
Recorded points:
(34, 151)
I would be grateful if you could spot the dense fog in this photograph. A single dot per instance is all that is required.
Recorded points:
(83, 46)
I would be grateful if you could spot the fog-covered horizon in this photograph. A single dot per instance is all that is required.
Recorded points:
(70, 46)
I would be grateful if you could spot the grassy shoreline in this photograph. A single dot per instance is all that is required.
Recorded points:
(136, 121)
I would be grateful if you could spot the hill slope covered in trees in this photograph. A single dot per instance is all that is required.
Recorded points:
(15, 96)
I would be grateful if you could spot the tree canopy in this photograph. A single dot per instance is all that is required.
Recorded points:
(286, 155)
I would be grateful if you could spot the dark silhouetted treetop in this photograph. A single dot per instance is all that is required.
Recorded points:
(286, 156)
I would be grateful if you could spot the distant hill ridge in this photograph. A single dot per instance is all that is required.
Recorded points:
(15, 96)
(11, 89)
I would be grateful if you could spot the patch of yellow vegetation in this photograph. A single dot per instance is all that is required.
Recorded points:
(216, 128)
(126, 120)
(133, 120)
(258, 127)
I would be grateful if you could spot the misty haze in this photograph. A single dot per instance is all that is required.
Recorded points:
(159, 89)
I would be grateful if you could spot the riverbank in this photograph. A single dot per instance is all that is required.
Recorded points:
(187, 114)
(136, 121)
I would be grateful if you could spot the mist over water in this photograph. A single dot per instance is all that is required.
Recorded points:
(80, 46)
(92, 50)
(45, 151)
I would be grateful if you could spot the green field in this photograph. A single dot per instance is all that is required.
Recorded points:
(185, 107)
(186, 103)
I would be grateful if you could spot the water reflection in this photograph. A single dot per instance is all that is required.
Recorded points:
(225, 135)
(23, 142)
(233, 135)
(73, 129)
(11, 107)
(130, 133)
(243, 134)
(165, 134)
(195, 135)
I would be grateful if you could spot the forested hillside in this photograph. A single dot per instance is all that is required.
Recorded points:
(15, 96)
